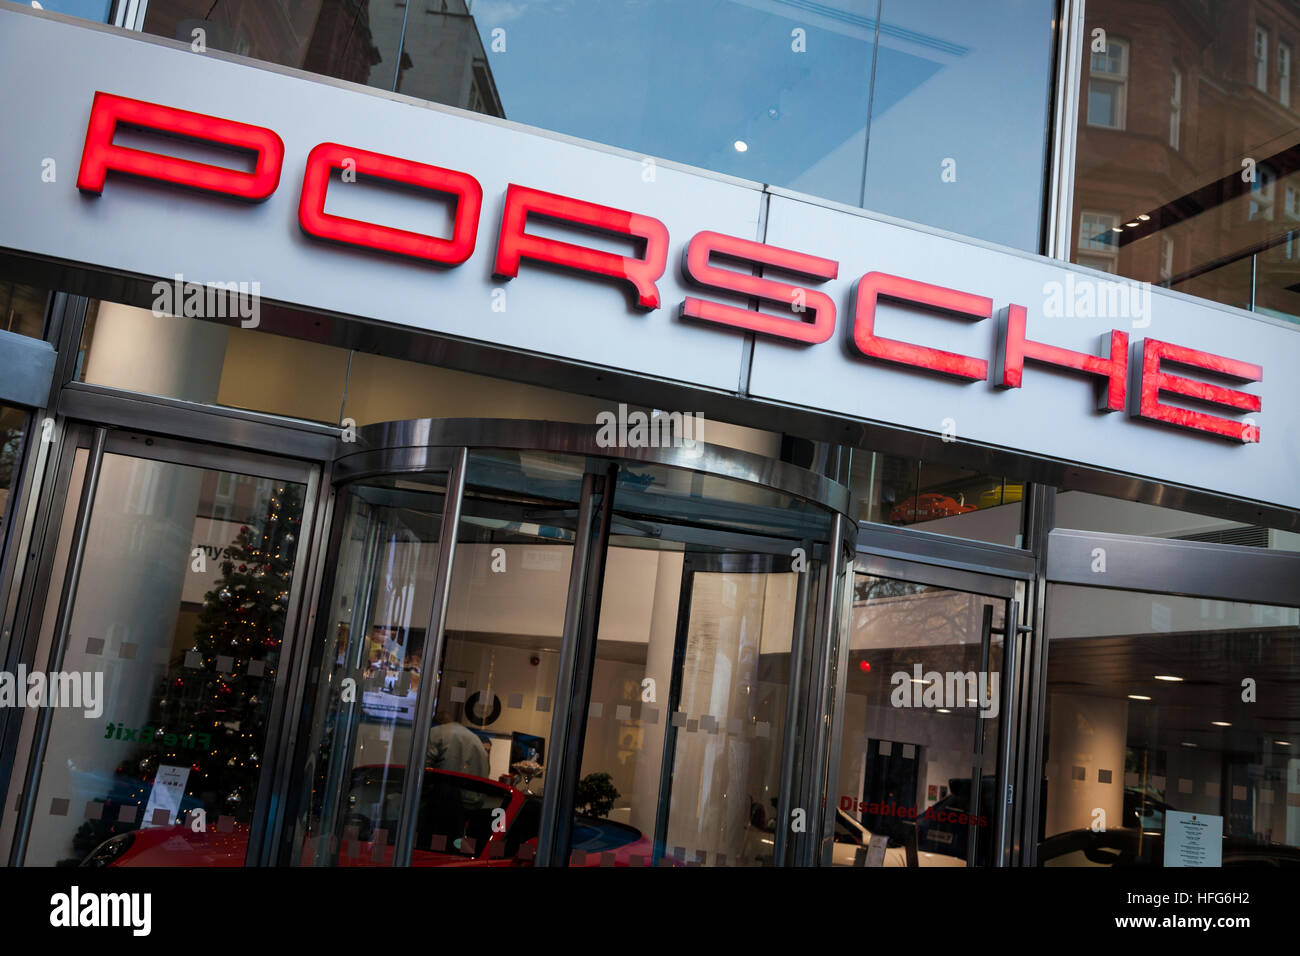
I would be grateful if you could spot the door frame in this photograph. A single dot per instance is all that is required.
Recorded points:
(944, 563)
(431, 445)
(29, 733)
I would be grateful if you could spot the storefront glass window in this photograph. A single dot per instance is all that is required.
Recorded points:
(97, 10)
(700, 626)
(1088, 512)
(373, 642)
(1185, 171)
(488, 746)
(1162, 709)
(13, 426)
(935, 497)
(174, 640)
(354, 40)
(22, 309)
(212, 363)
(921, 716)
(143, 350)
(915, 116)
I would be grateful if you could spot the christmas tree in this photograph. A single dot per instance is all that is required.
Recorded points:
(211, 707)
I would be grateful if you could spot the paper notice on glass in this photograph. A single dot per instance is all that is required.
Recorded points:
(168, 789)
(1193, 839)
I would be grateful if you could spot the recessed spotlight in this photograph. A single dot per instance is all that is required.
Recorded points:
(1138, 697)
(944, 710)
(740, 145)
(1116, 229)
(1144, 218)
(1131, 225)
(1221, 723)
(1188, 744)
(1282, 743)
(1169, 677)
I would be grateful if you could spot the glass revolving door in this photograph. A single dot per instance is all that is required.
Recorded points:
(593, 659)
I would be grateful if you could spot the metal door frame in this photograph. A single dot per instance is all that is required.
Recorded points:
(944, 567)
(30, 733)
(423, 445)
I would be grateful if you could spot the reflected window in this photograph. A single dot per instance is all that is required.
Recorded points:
(1098, 240)
(1261, 59)
(1108, 85)
(1175, 107)
(1262, 191)
(1284, 74)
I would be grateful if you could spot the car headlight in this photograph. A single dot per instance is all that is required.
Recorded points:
(110, 849)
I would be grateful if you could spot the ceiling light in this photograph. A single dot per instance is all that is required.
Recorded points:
(1221, 723)
(1131, 225)
(944, 710)
(1282, 743)
(740, 145)
(1137, 697)
(1144, 217)
(1169, 677)
(1188, 744)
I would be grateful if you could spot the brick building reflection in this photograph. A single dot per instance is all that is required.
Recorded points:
(436, 41)
(1188, 148)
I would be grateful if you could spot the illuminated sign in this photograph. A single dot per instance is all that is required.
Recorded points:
(807, 316)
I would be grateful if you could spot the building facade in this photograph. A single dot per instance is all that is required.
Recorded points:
(749, 433)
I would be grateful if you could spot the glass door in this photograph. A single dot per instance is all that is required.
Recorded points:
(442, 651)
(590, 660)
(168, 608)
(925, 723)
(704, 660)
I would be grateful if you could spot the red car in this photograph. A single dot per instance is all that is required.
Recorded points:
(927, 507)
(455, 827)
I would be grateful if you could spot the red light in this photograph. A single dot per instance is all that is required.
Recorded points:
(327, 157)
(875, 285)
(864, 666)
(696, 267)
(1017, 349)
(1155, 381)
(515, 244)
(100, 155)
